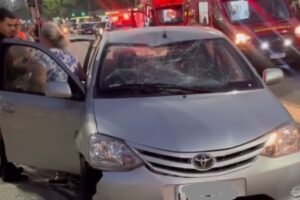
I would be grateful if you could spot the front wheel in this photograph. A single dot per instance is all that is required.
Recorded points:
(89, 179)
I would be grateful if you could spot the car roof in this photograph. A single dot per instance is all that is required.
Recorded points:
(160, 35)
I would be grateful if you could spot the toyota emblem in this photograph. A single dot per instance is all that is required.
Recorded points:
(203, 162)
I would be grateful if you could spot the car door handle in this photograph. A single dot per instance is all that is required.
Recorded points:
(8, 108)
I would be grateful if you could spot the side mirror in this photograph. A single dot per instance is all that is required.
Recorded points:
(273, 75)
(58, 89)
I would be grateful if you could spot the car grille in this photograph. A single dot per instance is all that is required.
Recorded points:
(180, 164)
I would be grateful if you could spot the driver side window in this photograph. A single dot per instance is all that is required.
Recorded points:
(28, 70)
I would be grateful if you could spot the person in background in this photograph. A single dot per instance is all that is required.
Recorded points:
(8, 171)
(7, 24)
(20, 34)
(33, 32)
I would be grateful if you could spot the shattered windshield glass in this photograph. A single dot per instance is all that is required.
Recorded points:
(190, 67)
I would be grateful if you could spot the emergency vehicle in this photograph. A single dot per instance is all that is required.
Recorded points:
(267, 31)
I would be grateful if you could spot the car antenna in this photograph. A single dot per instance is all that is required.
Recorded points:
(165, 34)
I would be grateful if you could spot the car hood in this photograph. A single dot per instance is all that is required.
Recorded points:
(193, 122)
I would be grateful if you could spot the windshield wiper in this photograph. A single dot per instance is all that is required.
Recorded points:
(157, 88)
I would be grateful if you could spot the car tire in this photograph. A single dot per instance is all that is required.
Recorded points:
(89, 179)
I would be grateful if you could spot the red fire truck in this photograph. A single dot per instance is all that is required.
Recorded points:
(267, 31)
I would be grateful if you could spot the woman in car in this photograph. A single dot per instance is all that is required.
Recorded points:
(54, 39)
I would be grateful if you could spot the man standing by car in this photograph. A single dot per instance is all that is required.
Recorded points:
(7, 24)
(8, 171)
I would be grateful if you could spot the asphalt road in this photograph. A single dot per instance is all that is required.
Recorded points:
(288, 92)
(38, 188)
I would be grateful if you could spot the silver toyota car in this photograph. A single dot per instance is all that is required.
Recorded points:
(166, 113)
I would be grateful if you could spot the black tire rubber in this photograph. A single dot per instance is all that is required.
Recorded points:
(89, 179)
(8, 171)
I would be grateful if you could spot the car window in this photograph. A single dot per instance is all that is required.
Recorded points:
(93, 53)
(28, 70)
(80, 49)
(170, 15)
(212, 64)
(258, 11)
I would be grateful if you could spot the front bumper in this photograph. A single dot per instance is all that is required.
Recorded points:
(273, 177)
(286, 56)
(271, 58)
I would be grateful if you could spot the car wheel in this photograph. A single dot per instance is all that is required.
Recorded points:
(89, 179)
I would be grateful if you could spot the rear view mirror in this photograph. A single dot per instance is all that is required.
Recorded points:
(58, 89)
(273, 75)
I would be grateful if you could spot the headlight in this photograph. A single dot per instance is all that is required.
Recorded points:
(284, 141)
(111, 154)
(65, 30)
(288, 42)
(297, 31)
(241, 38)
(264, 45)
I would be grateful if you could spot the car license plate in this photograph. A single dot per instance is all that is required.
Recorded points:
(223, 190)
(277, 55)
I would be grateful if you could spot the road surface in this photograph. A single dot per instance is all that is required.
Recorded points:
(38, 188)
(288, 92)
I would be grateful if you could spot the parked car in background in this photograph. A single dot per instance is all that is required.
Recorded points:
(74, 28)
(166, 113)
(66, 28)
(100, 28)
(87, 28)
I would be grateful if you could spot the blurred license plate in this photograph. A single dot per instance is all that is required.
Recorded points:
(277, 55)
(223, 190)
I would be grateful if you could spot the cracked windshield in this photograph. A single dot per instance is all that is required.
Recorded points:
(191, 66)
(149, 99)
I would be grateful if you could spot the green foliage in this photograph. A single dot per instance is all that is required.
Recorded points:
(69, 2)
(51, 8)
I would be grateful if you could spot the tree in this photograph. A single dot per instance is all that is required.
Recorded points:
(5, 4)
(114, 4)
(52, 8)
